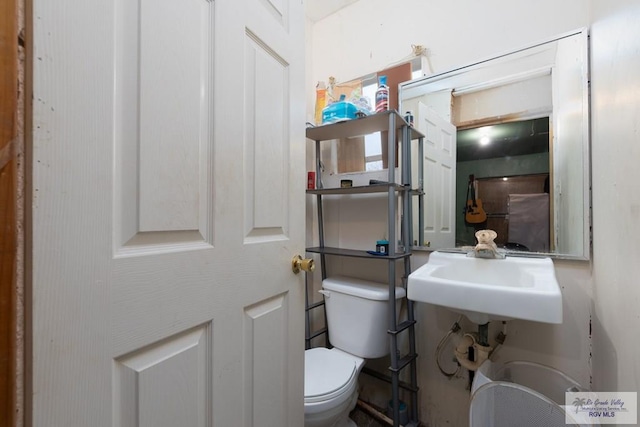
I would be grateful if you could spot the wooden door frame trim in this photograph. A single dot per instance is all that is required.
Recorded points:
(12, 175)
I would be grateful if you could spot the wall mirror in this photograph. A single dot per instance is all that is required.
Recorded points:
(516, 126)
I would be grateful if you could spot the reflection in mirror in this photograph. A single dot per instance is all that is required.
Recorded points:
(367, 153)
(519, 123)
(510, 164)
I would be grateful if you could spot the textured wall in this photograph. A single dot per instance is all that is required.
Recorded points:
(615, 58)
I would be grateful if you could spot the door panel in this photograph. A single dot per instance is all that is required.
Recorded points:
(145, 395)
(265, 388)
(163, 122)
(440, 178)
(168, 148)
(173, 110)
(266, 147)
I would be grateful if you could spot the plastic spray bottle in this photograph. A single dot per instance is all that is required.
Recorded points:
(382, 95)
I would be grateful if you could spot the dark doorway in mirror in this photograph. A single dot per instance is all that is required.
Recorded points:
(512, 164)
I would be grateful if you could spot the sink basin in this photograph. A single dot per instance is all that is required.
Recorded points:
(489, 289)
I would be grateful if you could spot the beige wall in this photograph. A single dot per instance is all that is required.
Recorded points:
(596, 343)
(615, 103)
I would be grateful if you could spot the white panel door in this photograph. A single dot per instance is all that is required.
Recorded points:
(167, 204)
(439, 178)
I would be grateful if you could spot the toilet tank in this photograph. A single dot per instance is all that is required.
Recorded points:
(358, 315)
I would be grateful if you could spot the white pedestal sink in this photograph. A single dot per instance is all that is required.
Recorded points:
(489, 289)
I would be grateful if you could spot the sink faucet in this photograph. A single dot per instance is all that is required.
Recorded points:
(486, 247)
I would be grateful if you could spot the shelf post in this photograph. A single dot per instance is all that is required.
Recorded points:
(421, 189)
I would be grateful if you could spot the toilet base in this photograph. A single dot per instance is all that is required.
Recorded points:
(333, 411)
(347, 422)
(337, 417)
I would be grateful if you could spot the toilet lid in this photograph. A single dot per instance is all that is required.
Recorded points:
(326, 373)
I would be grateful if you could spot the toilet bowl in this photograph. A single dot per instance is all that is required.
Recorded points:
(357, 322)
(331, 387)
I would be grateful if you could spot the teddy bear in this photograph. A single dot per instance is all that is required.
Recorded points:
(485, 241)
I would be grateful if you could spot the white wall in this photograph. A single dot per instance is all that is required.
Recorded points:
(616, 194)
(601, 298)
(371, 34)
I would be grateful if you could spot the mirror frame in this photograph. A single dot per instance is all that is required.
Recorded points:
(575, 112)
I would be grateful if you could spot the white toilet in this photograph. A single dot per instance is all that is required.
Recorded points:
(357, 317)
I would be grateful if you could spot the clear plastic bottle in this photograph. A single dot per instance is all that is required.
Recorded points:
(382, 95)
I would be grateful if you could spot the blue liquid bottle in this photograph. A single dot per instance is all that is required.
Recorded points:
(382, 95)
